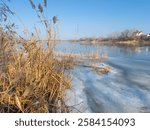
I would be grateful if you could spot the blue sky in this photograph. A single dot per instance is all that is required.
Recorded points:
(92, 17)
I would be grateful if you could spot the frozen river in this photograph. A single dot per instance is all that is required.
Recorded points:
(125, 89)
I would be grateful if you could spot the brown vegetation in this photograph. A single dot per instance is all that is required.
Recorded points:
(125, 38)
(31, 78)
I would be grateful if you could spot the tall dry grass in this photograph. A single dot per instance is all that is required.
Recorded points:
(31, 78)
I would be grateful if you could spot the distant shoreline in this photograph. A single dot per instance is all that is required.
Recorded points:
(115, 42)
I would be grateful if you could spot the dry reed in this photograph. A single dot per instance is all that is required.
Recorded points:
(32, 79)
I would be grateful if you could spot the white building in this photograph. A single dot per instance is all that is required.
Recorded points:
(148, 35)
(139, 33)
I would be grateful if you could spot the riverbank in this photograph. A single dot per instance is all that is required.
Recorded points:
(124, 89)
(117, 42)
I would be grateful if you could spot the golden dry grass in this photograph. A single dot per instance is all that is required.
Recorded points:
(31, 79)
(102, 70)
(90, 56)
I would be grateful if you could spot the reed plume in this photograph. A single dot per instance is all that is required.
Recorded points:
(40, 8)
(32, 4)
(45, 3)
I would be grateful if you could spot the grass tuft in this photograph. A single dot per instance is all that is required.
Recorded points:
(32, 79)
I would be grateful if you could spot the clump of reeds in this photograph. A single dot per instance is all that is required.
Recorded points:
(102, 70)
(32, 79)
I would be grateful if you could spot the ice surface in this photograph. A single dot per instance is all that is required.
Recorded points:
(125, 89)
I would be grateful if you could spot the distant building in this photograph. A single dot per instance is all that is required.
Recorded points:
(148, 35)
(139, 33)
